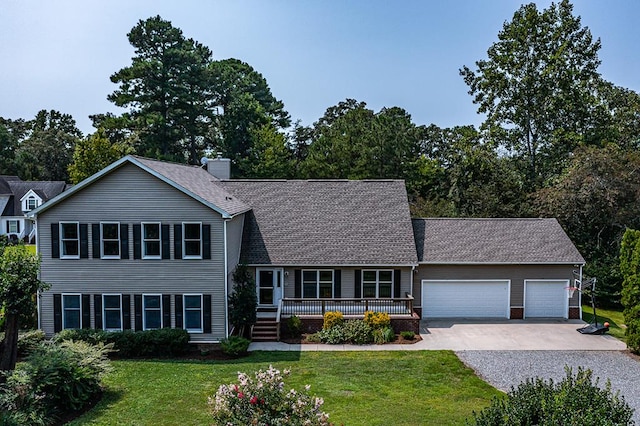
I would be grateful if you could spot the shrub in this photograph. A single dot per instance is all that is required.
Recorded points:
(408, 335)
(383, 335)
(27, 341)
(314, 338)
(353, 331)
(264, 400)
(575, 400)
(294, 325)
(130, 344)
(630, 269)
(331, 319)
(235, 346)
(377, 319)
(55, 378)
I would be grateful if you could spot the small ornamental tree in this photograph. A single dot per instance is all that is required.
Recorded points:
(630, 269)
(18, 284)
(243, 301)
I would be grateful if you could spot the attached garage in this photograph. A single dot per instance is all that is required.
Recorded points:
(465, 298)
(545, 299)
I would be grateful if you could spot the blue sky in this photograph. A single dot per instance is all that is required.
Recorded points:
(60, 54)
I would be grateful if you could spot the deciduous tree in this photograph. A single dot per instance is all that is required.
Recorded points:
(94, 153)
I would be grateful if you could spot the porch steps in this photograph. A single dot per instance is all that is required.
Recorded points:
(265, 330)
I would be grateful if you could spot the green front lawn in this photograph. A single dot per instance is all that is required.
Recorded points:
(615, 319)
(359, 388)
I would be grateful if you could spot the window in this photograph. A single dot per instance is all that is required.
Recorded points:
(152, 311)
(192, 240)
(193, 312)
(377, 283)
(13, 227)
(71, 311)
(151, 241)
(317, 284)
(112, 311)
(110, 240)
(32, 203)
(69, 240)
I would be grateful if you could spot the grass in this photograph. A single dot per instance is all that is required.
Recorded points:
(615, 319)
(359, 388)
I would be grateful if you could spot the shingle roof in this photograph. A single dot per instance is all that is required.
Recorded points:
(494, 241)
(13, 187)
(328, 222)
(197, 181)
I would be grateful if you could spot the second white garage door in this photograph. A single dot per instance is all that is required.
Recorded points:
(465, 299)
(546, 299)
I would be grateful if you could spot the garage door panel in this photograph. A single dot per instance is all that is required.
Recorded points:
(469, 299)
(546, 299)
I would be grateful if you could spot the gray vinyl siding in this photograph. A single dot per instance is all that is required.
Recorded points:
(234, 243)
(347, 278)
(130, 195)
(516, 273)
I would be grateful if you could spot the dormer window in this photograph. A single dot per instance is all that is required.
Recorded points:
(32, 203)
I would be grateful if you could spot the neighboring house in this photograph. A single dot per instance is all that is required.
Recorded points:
(145, 244)
(17, 199)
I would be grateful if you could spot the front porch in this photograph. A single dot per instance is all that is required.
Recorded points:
(272, 321)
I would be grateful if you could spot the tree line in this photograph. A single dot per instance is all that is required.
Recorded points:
(557, 140)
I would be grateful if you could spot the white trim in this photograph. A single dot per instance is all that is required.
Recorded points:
(61, 239)
(317, 271)
(104, 316)
(64, 327)
(508, 281)
(184, 313)
(30, 195)
(565, 284)
(276, 284)
(144, 311)
(502, 263)
(142, 241)
(333, 265)
(226, 278)
(184, 240)
(132, 160)
(377, 282)
(102, 241)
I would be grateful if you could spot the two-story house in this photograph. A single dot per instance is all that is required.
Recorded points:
(145, 244)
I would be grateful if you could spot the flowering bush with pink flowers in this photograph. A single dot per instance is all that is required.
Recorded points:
(264, 401)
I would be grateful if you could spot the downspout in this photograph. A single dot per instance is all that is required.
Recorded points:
(226, 280)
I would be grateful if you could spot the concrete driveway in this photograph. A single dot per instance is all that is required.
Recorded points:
(561, 335)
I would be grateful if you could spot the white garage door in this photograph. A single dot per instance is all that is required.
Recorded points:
(465, 299)
(545, 299)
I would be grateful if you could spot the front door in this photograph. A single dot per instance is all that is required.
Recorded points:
(269, 286)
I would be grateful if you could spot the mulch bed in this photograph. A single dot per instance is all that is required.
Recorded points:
(399, 340)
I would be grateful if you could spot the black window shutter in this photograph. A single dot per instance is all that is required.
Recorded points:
(84, 241)
(86, 311)
(126, 312)
(166, 310)
(178, 298)
(166, 243)
(206, 241)
(337, 283)
(137, 243)
(177, 241)
(396, 282)
(55, 240)
(18, 226)
(297, 283)
(206, 313)
(95, 242)
(358, 284)
(57, 313)
(137, 310)
(97, 310)
(124, 241)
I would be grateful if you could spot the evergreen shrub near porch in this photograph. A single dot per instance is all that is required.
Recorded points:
(132, 344)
